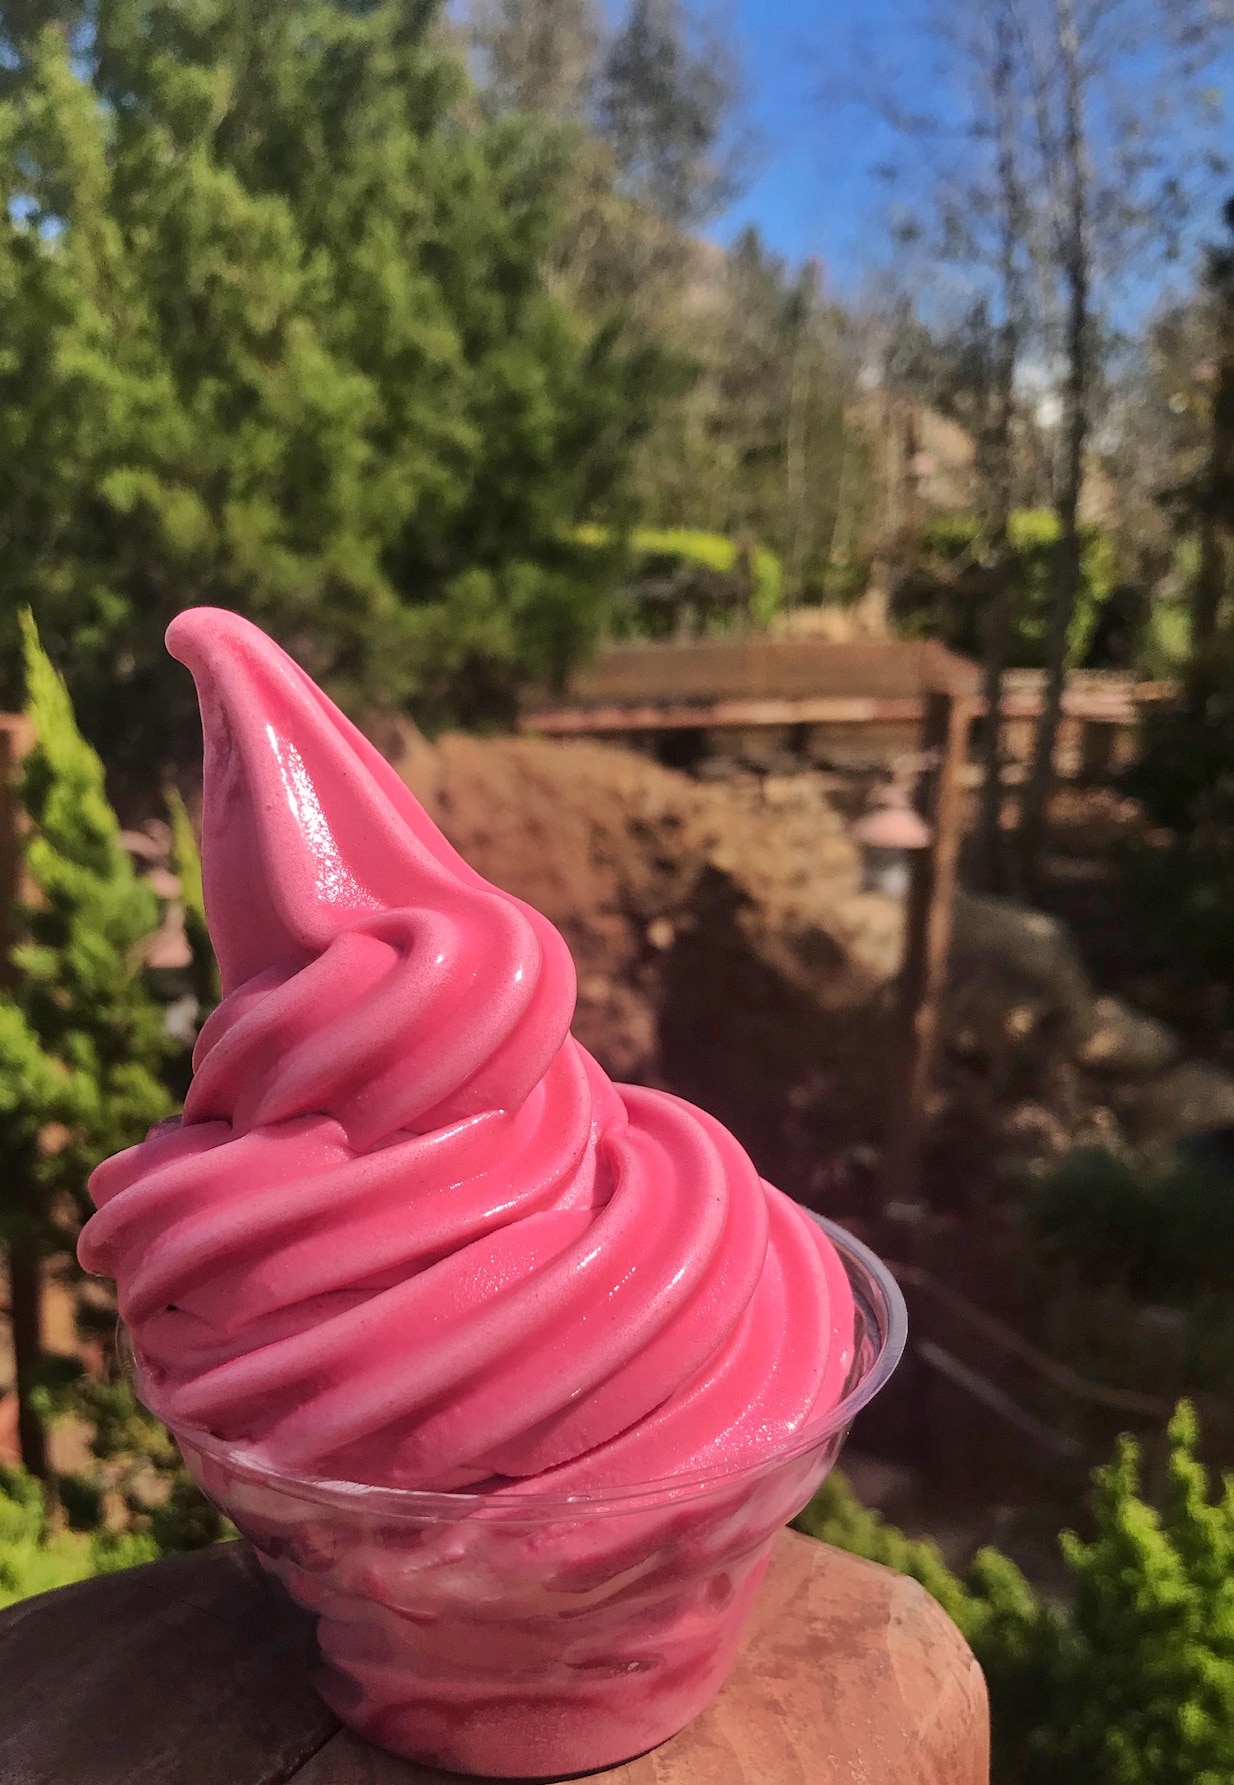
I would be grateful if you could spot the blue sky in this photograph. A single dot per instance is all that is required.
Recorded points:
(813, 192)
(810, 192)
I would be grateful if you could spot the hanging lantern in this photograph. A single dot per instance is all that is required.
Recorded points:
(889, 834)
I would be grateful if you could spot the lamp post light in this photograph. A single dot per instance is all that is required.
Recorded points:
(889, 835)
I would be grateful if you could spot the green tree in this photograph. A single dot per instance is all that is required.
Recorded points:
(760, 447)
(781, 380)
(83, 1048)
(276, 333)
(137, 1463)
(1183, 887)
(537, 55)
(946, 593)
(1215, 494)
(665, 103)
(1132, 1684)
(1145, 1685)
(749, 437)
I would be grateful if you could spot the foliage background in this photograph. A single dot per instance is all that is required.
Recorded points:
(275, 334)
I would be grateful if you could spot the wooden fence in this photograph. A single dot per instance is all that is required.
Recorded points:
(853, 705)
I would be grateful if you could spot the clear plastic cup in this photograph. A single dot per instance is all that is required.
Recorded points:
(519, 1636)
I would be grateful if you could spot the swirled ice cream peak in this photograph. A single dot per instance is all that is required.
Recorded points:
(311, 844)
(408, 1231)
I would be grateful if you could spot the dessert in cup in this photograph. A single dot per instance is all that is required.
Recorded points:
(510, 1373)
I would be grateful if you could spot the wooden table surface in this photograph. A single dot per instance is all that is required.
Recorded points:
(193, 1671)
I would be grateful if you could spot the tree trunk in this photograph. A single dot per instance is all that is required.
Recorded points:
(1077, 273)
(1034, 812)
(991, 866)
(26, 1315)
(1217, 509)
(996, 640)
(1209, 588)
(927, 941)
(795, 483)
(997, 630)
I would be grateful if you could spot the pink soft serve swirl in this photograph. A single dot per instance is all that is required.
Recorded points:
(408, 1232)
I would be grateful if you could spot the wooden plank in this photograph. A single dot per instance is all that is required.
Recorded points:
(838, 710)
(192, 1671)
(944, 672)
(850, 709)
(759, 667)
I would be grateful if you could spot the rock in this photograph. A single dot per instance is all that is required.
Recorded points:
(1124, 1043)
(1017, 1005)
(661, 934)
(780, 790)
(1190, 1097)
(1038, 1130)
(1011, 943)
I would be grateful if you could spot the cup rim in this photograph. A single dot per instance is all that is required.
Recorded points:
(881, 1311)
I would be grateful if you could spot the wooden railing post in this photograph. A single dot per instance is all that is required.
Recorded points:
(927, 936)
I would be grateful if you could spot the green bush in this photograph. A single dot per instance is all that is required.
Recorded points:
(1165, 1232)
(1166, 643)
(946, 593)
(1185, 772)
(661, 552)
(1133, 1682)
(1181, 888)
(153, 1508)
(715, 552)
(84, 1047)
(36, 1556)
(85, 1055)
(32, 1558)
